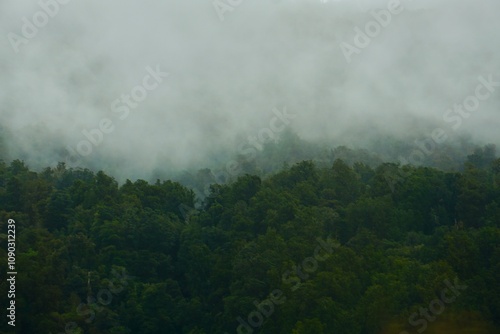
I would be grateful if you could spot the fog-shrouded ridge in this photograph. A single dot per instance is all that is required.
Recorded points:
(225, 78)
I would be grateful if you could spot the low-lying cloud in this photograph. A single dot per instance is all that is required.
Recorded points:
(225, 78)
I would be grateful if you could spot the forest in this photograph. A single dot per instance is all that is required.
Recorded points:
(346, 248)
(231, 166)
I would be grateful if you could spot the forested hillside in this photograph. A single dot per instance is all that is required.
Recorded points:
(342, 249)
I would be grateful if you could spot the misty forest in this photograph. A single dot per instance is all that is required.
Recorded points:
(228, 166)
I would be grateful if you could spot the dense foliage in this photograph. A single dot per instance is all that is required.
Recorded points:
(343, 249)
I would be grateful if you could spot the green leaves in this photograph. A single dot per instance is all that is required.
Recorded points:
(252, 237)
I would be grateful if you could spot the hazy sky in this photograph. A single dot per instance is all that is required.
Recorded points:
(226, 76)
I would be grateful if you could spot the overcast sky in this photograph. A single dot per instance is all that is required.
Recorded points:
(226, 76)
